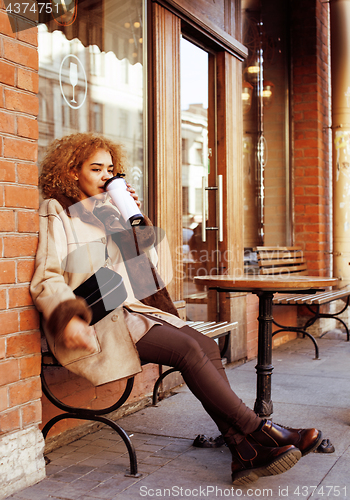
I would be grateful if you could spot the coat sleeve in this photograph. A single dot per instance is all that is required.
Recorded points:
(52, 296)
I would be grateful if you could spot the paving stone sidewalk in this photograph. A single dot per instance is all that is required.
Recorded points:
(306, 392)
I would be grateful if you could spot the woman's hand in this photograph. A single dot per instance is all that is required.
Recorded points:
(133, 194)
(79, 335)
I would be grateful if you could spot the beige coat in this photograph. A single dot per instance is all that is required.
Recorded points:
(70, 250)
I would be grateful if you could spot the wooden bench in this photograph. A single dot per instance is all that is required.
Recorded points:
(290, 260)
(211, 329)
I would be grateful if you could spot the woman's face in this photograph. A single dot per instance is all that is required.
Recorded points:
(94, 172)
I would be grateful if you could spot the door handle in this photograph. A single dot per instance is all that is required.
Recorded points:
(220, 209)
(204, 208)
(220, 217)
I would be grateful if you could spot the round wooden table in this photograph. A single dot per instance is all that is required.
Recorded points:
(265, 287)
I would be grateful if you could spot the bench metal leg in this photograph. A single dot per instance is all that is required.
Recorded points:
(298, 330)
(93, 415)
(98, 418)
(317, 314)
(158, 382)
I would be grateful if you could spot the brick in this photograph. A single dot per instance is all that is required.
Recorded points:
(28, 80)
(20, 246)
(312, 153)
(7, 122)
(310, 115)
(28, 222)
(30, 366)
(27, 127)
(7, 272)
(7, 220)
(27, 32)
(29, 320)
(9, 322)
(21, 54)
(31, 413)
(27, 173)
(3, 303)
(19, 297)
(7, 171)
(10, 421)
(5, 25)
(305, 143)
(305, 162)
(24, 391)
(3, 398)
(23, 344)
(2, 347)
(25, 270)
(7, 73)
(20, 149)
(17, 100)
(9, 371)
(21, 197)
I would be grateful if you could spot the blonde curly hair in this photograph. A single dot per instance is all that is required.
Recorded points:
(66, 156)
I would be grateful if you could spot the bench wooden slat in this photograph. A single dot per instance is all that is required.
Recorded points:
(302, 270)
(280, 262)
(325, 297)
(284, 260)
(211, 328)
(290, 299)
(274, 249)
(263, 256)
(317, 298)
(275, 261)
(201, 325)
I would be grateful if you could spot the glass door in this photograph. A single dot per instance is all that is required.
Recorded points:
(200, 192)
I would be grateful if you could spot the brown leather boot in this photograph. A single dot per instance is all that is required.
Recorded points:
(272, 434)
(251, 460)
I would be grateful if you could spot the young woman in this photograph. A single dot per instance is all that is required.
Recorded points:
(78, 224)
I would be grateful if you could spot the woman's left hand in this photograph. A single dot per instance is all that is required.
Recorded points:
(133, 194)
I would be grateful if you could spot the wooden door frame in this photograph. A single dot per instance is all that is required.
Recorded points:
(165, 172)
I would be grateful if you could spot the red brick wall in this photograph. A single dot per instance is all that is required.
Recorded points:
(20, 390)
(311, 133)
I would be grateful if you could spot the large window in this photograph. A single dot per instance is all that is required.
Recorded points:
(266, 124)
(91, 77)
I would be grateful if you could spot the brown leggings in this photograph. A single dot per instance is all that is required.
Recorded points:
(198, 359)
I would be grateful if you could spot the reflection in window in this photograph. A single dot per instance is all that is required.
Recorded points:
(194, 134)
(265, 123)
(185, 151)
(123, 123)
(97, 124)
(65, 115)
(91, 77)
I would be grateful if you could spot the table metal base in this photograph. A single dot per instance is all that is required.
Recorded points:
(263, 404)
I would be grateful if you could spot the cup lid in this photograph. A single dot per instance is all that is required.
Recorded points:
(118, 176)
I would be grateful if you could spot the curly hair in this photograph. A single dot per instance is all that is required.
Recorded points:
(66, 155)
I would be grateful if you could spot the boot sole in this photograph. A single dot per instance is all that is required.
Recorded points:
(313, 446)
(281, 464)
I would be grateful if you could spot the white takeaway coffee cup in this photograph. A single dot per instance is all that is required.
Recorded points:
(117, 190)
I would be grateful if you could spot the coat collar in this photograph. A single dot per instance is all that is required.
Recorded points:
(78, 210)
